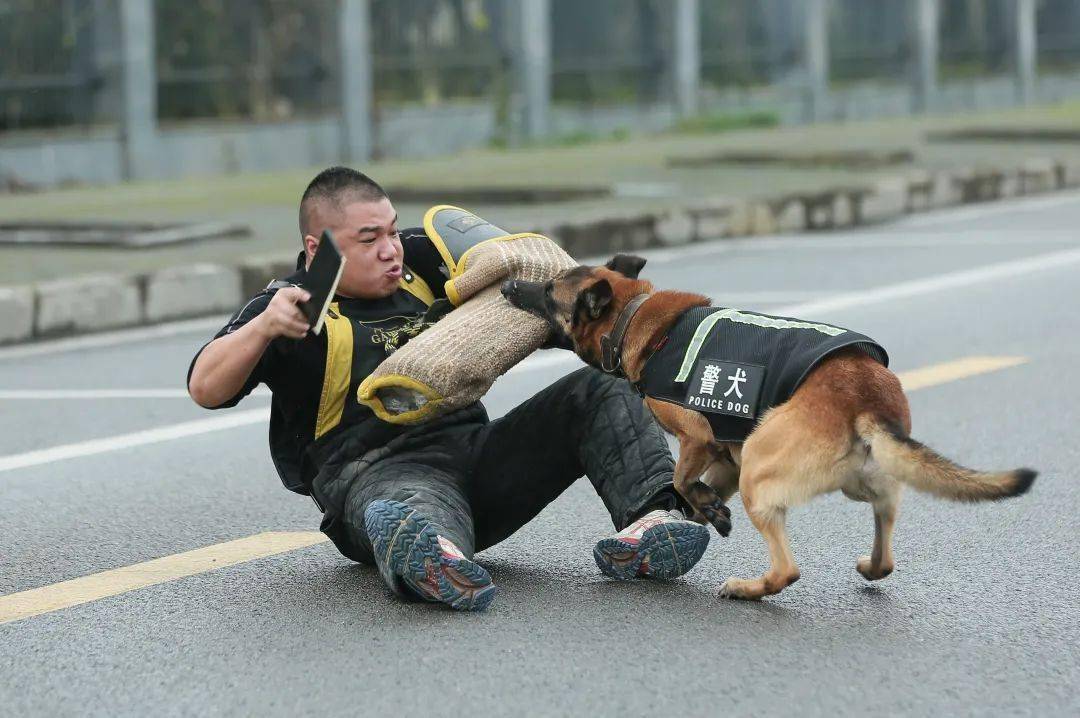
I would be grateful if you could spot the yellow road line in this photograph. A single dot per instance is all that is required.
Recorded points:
(46, 599)
(955, 370)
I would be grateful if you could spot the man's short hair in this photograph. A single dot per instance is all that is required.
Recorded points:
(335, 187)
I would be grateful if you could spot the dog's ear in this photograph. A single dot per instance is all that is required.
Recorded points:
(626, 264)
(594, 300)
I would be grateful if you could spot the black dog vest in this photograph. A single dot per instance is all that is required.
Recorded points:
(733, 365)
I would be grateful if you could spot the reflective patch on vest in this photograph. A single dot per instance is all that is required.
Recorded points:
(725, 387)
(734, 315)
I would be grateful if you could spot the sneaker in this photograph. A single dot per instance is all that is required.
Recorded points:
(661, 544)
(406, 546)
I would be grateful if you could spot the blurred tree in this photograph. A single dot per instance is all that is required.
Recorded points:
(733, 43)
(976, 36)
(431, 51)
(37, 52)
(606, 51)
(261, 59)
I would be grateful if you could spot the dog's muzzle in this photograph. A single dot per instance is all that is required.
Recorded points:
(529, 296)
(525, 295)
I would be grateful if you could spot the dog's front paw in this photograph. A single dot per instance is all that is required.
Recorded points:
(698, 518)
(739, 589)
(719, 516)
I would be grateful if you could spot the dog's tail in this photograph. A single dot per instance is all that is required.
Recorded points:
(906, 460)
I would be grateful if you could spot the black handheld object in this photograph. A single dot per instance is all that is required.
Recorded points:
(321, 281)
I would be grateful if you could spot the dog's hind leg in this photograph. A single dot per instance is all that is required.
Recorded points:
(871, 485)
(879, 563)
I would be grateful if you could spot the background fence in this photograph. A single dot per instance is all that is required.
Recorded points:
(155, 88)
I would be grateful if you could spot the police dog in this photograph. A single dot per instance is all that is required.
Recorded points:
(845, 427)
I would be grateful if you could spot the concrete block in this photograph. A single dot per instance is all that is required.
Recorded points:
(85, 304)
(931, 190)
(607, 236)
(945, 193)
(740, 221)
(258, 271)
(191, 291)
(714, 219)
(16, 314)
(638, 233)
(920, 191)
(675, 227)
(763, 220)
(979, 185)
(1070, 174)
(1037, 175)
(789, 216)
(751, 218)
(1060, 173)
(846, 209)
(1010, 185)
(888, 200)
(820, 209)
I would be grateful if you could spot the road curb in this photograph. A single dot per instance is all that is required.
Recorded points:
(97, 302)
(182, 292)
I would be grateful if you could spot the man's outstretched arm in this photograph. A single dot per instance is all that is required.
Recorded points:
(222, 368)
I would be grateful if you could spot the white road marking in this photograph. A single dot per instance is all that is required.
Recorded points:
(901, 290)
(743, 298)
(138, 438)
(558, 358)
(122, 336)
(92, 394)
(931, 285)
(978, 211)
(875, 238)
(864, 241)
(117, 581)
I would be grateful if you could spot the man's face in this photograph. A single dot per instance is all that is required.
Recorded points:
(366, 234)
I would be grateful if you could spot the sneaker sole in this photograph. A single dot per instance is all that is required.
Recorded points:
(408, 544)
(672, 550)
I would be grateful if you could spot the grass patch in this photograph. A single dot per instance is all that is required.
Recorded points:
(571, 139)
(727, 122)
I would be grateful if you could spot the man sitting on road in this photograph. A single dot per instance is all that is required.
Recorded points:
(418, 501)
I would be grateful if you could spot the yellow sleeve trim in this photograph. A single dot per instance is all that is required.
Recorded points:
(339, 349)
(456, 268)
(452, 293)
(429, 229)
(366, 395)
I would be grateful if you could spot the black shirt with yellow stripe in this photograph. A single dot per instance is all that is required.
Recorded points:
(314, 380)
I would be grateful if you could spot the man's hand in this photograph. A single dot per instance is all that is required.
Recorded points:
(224, 364)
(282, 318)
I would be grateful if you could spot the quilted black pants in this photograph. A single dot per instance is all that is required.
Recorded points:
(479, 481)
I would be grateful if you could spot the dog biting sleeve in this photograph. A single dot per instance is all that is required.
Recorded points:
(455, 362)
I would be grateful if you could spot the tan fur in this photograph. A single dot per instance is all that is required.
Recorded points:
(845, 429)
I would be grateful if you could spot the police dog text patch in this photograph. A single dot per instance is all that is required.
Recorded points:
(725, 387)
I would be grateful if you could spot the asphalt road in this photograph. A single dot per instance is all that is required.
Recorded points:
(982, 615)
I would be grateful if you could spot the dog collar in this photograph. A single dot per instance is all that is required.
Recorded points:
(611, 344)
